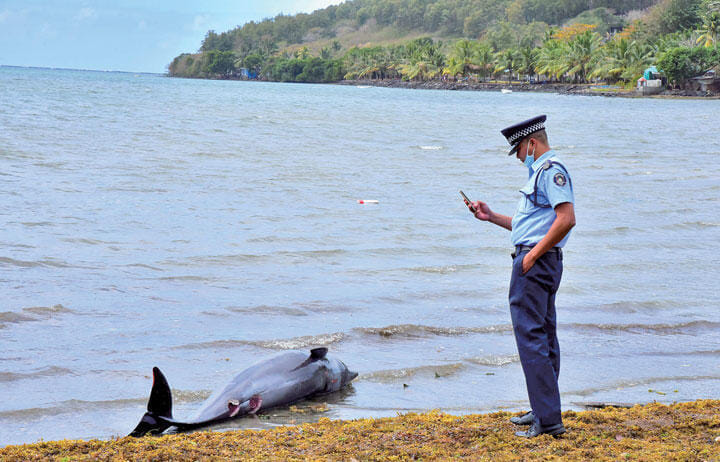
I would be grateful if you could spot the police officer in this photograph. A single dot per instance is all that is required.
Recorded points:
(539, 229)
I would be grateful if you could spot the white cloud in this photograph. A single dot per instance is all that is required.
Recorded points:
(47, 31)
(200, 22)
(85, 14)
(312, 5)
(15, 16)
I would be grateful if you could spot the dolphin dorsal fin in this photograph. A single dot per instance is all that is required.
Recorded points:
(318, 353)
(160, 402)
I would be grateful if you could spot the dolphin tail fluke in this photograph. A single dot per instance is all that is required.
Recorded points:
(160, 402)
(158, 417)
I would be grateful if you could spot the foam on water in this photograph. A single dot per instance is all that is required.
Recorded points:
(431, 148)
(394, 375)
(43, 372)
(411, 330)
(274, 344)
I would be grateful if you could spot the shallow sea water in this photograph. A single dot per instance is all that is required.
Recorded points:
(199, 226)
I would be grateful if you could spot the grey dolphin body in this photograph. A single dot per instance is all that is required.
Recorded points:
(280, 380)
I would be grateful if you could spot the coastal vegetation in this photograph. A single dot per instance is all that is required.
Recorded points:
(564, 41)
(682, 431)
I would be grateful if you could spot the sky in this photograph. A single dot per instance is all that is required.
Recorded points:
(123, 35)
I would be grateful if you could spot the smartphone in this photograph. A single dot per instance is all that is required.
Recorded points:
(467, 201)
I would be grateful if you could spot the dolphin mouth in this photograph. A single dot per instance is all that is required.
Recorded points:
(250, 406)
(233, 407)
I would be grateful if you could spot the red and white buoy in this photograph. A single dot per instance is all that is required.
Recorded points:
(367, 201)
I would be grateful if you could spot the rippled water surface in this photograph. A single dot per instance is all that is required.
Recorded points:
(199, 226)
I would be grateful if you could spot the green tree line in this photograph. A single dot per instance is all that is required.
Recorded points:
(680, 37)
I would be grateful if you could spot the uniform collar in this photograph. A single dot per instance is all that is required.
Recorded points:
(541, 160)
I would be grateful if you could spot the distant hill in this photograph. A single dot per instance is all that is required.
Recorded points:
(361, 22)
(578, 41)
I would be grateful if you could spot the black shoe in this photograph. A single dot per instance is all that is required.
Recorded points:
(536, 430)
(526, 419)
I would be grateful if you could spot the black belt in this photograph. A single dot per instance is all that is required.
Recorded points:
(527, 248)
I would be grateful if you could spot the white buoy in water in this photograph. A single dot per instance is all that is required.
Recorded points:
(367, 201)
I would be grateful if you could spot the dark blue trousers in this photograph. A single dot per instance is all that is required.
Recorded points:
(532, 308)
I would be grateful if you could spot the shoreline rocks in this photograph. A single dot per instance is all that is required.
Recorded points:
(559, 88)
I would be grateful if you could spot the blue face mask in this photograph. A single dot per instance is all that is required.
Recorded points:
(529, 158)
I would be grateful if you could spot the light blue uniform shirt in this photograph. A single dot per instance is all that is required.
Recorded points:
(532, 222)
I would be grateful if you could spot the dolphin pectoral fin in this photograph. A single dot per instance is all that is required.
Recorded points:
(318, 353)
(255, 403)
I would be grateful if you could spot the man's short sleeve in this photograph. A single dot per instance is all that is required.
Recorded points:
(558, 187)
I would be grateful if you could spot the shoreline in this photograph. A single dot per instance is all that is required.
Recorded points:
(558, 88)
(680, 431)
(580, 89)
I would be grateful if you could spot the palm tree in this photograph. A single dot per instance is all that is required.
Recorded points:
(615, 59)
(526, 60)
(423, 60)
(463, 56)
(419, 70)
(551, 59)
(302, 53)
(455, 67)
(710, 29)
(584, 53)
(641, 56)
(506, 61)
(624, 60)
(370, 63)
(485, 59)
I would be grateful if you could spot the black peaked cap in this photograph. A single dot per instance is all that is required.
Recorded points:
(516, 133)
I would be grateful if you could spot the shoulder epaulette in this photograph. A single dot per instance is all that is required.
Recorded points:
(546, 166)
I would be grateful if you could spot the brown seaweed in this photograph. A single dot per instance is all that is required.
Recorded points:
(681, 431)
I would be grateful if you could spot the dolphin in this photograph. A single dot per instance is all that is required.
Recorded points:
(277, 381)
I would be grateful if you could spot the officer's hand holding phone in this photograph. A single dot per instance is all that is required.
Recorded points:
(478, 208)
(467, 202)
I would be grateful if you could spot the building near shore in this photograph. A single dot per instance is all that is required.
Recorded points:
(651, 83)
(709, 82)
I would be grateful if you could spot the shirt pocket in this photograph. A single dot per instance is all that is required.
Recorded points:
(529, 194)
(525, 205)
